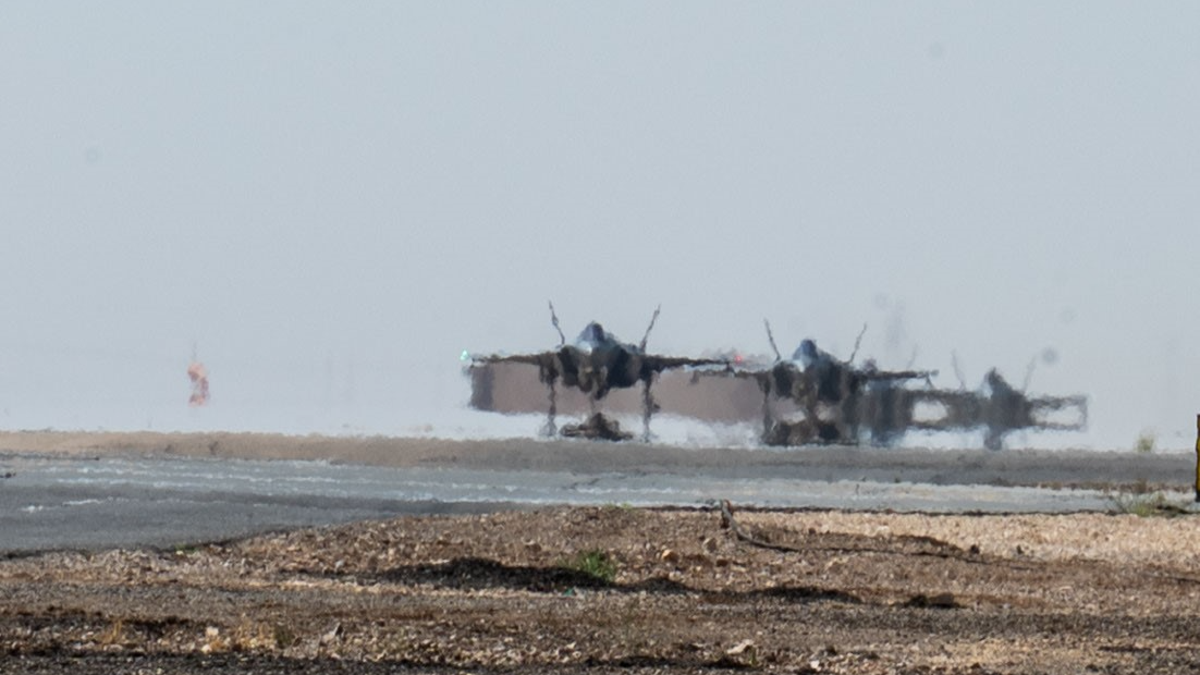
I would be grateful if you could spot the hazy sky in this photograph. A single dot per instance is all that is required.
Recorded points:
(332, 200)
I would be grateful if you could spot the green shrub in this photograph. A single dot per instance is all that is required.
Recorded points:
(1145, 442)
(594, 563)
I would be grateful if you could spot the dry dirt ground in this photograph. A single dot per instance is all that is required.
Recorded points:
(607, 589)
(621, 590)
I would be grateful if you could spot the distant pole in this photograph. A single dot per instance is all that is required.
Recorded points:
(1198, 458)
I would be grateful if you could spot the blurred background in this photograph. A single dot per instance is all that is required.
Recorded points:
(327, 203)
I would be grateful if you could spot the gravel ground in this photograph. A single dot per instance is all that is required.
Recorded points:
(611, 589)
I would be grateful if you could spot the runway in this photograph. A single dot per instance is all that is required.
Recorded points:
(114, 497)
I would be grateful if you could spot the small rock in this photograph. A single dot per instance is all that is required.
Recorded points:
(332, 634)
(740, 648)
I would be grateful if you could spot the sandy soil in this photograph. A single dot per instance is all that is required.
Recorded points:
(611, 589)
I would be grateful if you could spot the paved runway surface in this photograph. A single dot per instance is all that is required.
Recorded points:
(110, 500)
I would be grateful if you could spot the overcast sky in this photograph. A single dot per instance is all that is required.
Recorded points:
(331, 201)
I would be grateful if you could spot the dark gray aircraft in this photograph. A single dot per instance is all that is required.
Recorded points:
(812, 398)
(594, 364)
(996, 407)
(816, 398)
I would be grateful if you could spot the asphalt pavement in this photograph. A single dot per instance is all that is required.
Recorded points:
(98, 502)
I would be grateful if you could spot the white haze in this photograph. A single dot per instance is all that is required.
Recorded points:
(331, 201)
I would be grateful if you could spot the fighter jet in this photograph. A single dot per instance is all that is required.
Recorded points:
(814, 397)
(594, 364)
(817, 398)
(996, 407)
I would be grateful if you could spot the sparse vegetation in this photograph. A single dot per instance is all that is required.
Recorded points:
(1145, 504)
(115, 635)
(594, 563)
(1145, 442)
(284, 637)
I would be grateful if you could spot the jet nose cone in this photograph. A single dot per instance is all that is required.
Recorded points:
(592, 335)
(806, 353)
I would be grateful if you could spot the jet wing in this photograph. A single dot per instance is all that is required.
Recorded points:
(513, 386)
(538, 359)
(658, 364)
